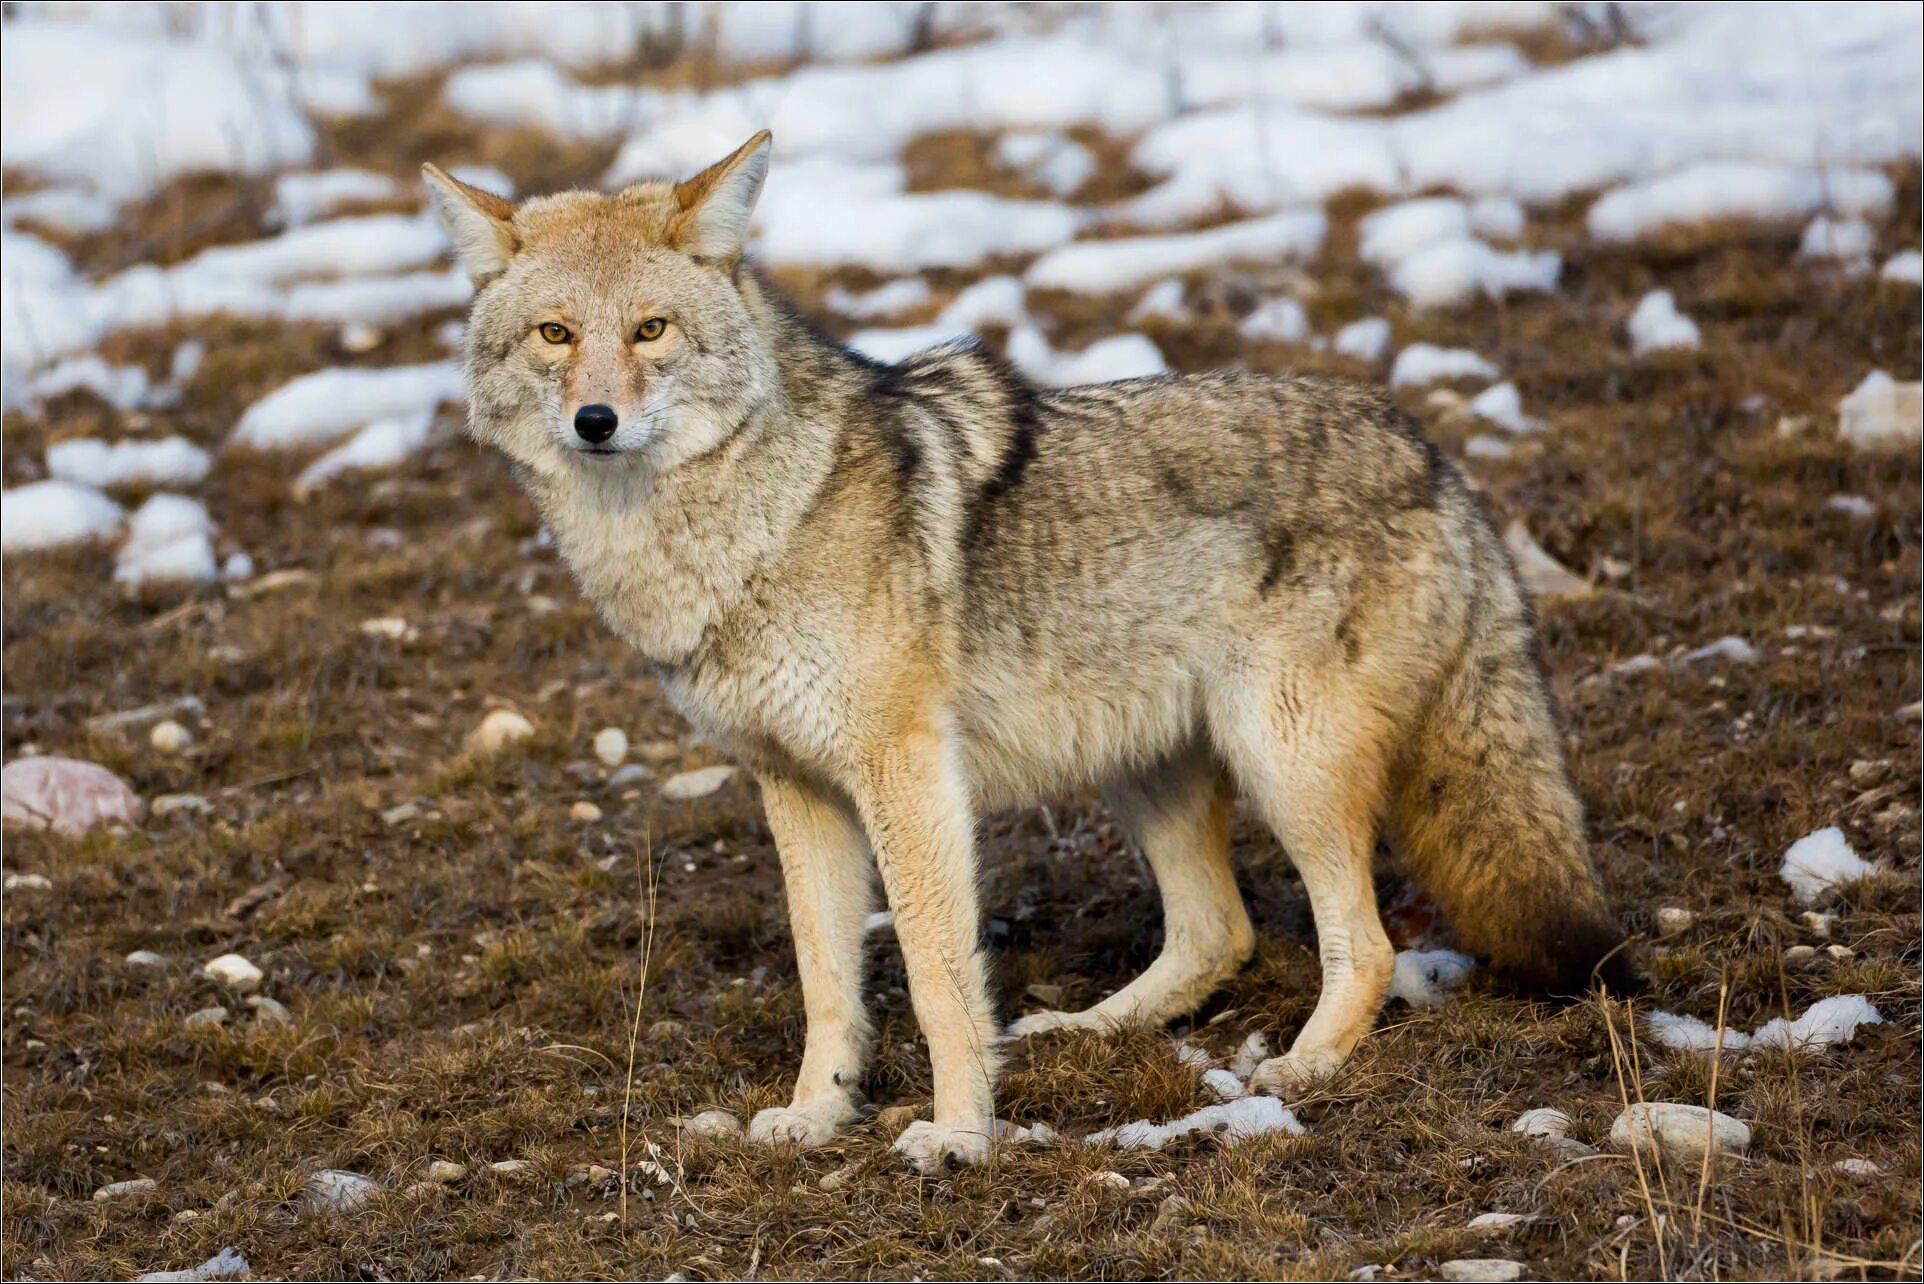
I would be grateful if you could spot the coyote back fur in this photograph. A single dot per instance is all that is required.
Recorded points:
(905, 595)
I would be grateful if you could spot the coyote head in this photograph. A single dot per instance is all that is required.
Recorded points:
(609, 331)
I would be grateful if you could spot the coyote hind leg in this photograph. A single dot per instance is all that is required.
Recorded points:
(1315, 767)
(1180, 813)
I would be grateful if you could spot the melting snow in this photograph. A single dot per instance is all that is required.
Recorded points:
(327, 404)
(1817, 862)
(1656, 324)
(92, 462)
(1825, 1023)
(1424, 978)
(1232, 1120)
(50, 513)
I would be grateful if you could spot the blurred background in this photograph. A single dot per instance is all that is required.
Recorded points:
(293, 674)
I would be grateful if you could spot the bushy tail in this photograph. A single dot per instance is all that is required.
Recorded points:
(1488, 823)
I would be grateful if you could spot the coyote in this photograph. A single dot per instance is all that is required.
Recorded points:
(908, 595)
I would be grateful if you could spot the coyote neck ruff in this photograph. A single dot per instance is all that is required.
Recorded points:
(907, 594)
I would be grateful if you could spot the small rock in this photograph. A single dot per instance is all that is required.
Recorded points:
(333, 1190)
(714, 1123)
(443, 1172)
(1819, 924)
(1673, 920)
(689, 785)
(1866, 771)
(1109, 1178)
(1679, 1131)
(661, 1031)
(628, 776)
(589, 1175)
(234, 972)
(1862, 1168)
(1545, 1123)
(891, 1119)
(1497, 1221)
(499, 730)
(1840, 953)
(391, 627)
(657, 752)
(510, 1167)
(113, 1190)
(227, 1264)
(269, 1011)
(1540, 573)
(168, 804)
(27, 883)
(66, 795)
(206, 1019)
(1481, 1268)
(170, 736)
(145, 958)
(585, 811)
(402, 814)
(358, 338)
(839, 1178)
(1799, 955)
(611, 746)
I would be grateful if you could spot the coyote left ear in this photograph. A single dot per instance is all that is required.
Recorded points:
(712, 222)
(481, 223)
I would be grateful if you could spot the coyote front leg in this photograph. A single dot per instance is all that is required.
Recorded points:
(825, 864)
(920, 823)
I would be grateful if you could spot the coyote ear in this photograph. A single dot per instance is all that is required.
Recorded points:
(481, 223)
(712, 222)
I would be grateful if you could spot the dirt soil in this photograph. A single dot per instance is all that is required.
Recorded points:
(464, 976)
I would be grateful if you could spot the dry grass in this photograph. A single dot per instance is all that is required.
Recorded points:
(465, 984)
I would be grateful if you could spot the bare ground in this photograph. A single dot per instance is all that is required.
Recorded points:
(466, 984)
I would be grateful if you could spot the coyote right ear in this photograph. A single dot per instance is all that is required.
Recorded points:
(712, 208)
(481, 223)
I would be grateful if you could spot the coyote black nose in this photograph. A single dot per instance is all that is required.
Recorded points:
(595, 424)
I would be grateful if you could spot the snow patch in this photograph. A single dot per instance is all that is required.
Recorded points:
(1232, 1120)
(320, 407)
(47, 514)
(88, 461)
(1422, 363)
(1817, 862)
(1656, 324)
(1424, 978)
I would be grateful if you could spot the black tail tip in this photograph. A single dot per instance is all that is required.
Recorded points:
(1577, 956)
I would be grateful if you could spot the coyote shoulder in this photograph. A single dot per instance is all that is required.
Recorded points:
(905, 595)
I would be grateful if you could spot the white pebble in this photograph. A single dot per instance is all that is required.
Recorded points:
(699, 783)
(113, 1190)
(333, 1190)
(1679, 1131)
(170, 736)
(501, 728)
(1545, 1123)
(585, 810)
(611, 746)
(1481, 1268)
(234, 972)
(714, 1123)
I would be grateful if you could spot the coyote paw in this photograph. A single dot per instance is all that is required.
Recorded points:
(1041, 1022)
(931, 1148)
(1291, 1077)
(797, 1125)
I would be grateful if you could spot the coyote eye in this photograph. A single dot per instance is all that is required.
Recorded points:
(650, 330)
(554, 332)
